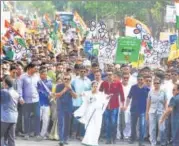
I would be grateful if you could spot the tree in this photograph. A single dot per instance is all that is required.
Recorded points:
(41, 7)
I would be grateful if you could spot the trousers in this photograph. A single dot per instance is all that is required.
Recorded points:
(8, 130)
(153, 124)
(45, 117)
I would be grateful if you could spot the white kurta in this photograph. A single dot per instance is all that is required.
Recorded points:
(90, 113)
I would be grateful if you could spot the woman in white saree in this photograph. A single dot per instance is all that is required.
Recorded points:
(90, 114)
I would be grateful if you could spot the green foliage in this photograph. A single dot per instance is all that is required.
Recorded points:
(41, 7)
(151, 12)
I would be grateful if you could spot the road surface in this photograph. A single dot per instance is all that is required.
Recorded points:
(32, 142)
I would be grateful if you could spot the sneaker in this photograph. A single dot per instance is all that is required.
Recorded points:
(32, 134)
(39, 138)
(26, 137)
(65, 143)
(114, 141)
(45, 138)
(141, 144)
(131, 141)
(61, 144)
(108, 142)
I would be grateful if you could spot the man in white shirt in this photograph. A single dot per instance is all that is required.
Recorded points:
(98, 78)
(126, 132)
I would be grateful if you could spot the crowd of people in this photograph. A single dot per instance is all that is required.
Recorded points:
(66, 95)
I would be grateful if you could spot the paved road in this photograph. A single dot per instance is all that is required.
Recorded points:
(30, 142)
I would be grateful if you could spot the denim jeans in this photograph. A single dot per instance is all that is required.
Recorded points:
(31, 118)
(64, 119)
(153, 124)
(111, 117)
(168, 123)
(77, 128)
(134, 119)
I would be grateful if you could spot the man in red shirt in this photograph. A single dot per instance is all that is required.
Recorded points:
(111, 86)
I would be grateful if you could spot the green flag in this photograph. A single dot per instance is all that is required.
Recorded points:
(95, 50)
(21, 43)
(73, 24)
(10, 54)
(128, 50)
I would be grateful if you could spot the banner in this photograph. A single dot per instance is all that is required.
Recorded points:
(128, 50)
(88, 46)
(173, 39)
(174, 53)
(165, 36)
(170, 14)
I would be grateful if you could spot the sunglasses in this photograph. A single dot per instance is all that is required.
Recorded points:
(156, 83)
(109, 74)
(126, 78)
(174, 74)
(66, 79)
(82, 71)
(148, 81)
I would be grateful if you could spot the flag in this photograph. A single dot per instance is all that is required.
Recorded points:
(80, 21)
(20, 42)
(11, 29)
(48, 19)
(177, 13)
(174, 53)
(135, 28)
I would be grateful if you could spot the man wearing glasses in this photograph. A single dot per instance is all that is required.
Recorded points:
(110, 86)
(125, 131)
(81, 83)
(64, 94)
(27, 89)
(138, 96)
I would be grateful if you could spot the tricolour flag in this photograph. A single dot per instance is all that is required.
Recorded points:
(80, 21)
(11, 29)
(135, 28)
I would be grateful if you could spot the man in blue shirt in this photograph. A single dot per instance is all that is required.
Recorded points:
(27, 89)
(80, 84)
(44, 90)
(64, 94)
(95, 67)
(138, 94)
(9, 114)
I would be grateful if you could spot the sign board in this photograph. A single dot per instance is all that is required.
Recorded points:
(127, 50)
(173, 39)
(170, 14)
(88, 47)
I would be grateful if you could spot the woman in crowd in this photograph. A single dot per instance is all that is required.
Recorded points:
(156, 104)
(90, 113)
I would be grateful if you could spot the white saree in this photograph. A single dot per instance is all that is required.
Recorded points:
(90, 114)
